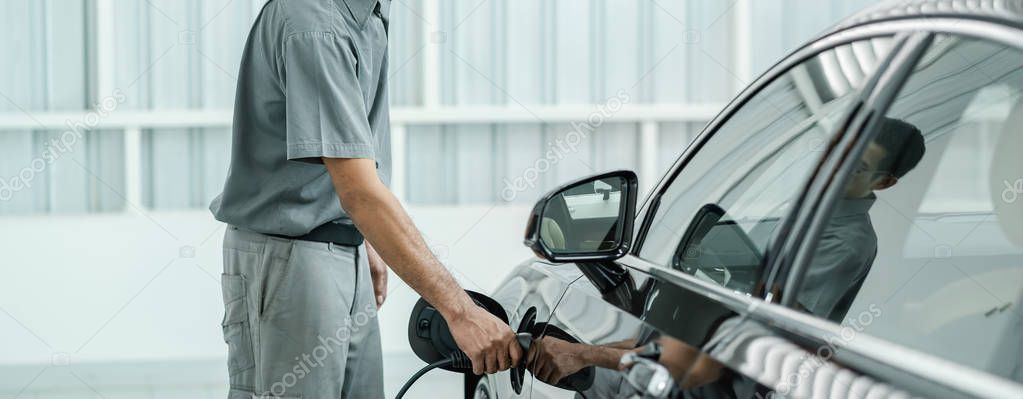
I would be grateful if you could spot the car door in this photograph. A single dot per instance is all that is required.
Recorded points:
(710, 235)
(936, 290)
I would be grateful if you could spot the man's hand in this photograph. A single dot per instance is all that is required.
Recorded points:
(487, 340)
(377, 270)
(551, 359)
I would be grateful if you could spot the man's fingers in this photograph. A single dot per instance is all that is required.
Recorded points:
(515, 352)
(477, 363)
(537, 350)
(541, 371)
(503, 361)
(378, 272)
(380, 287)
(491, 362)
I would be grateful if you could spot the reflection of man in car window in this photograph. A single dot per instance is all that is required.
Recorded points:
(849, 244)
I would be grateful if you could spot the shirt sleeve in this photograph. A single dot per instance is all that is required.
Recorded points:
(325, 110)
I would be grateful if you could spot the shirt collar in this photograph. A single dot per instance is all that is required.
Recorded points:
(854, 206)
(360, 9)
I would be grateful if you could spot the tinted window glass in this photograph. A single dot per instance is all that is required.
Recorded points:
(716, 217)
(928, 239)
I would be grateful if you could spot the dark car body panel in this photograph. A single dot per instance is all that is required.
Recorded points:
(633, 300)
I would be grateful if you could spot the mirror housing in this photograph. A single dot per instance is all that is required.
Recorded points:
(587, 220)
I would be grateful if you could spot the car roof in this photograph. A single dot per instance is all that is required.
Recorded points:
(1009, 12)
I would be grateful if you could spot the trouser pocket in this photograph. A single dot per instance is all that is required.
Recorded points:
(236, 327)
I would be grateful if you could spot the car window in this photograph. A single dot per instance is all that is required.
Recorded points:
(925, 247)
(715, 218)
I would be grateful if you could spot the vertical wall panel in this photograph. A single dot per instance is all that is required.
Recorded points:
(618, 46)
(67, 177)
(166, 173)
(665, 62)
(428, 182)
(90, 177)
(525, 51)
(708, 48)
(474, 168)
(16, 147)
(521, 176)
(106, 160)
(16, 84)
(40, 182)
(674, 137)
(616, 146)
(24, 48)
(406, 45)
(224, 26)
(181, 55)
(46, 42)
(573, 60)
(575, 157)
(476, 78)
(469, 51)
(170, 57)
(770, 38)
(66, 81)
(131, 56)
(215, 154)
(84, 176)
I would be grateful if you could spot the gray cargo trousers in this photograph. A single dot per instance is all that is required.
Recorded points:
(300, 319)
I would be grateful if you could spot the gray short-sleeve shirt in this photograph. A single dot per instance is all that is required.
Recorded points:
(312, 84)
(842, 259)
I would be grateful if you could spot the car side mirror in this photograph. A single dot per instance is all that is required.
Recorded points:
(589, 219)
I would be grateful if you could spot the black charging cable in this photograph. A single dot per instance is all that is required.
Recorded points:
(458, 360)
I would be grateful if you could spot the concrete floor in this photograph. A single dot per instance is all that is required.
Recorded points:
(183, 379)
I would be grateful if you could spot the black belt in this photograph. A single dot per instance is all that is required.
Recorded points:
(330, 232)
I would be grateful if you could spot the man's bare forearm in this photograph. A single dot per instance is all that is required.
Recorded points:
(606, 357)
(385, 224)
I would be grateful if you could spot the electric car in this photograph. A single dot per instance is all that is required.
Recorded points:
(850, 225)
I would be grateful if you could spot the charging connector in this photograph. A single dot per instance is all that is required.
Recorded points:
(459, 361)
(431, 339)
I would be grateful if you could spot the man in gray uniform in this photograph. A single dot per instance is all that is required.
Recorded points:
(848, 245)
(310, 164)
